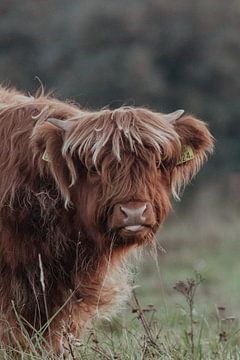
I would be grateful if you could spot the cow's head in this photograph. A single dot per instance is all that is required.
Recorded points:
(119, 167)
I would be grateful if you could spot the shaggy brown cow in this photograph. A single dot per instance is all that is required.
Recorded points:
(79, 190)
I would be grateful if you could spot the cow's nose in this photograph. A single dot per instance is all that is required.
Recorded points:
(133, 214)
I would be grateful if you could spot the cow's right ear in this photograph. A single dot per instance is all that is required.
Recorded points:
(196, 142)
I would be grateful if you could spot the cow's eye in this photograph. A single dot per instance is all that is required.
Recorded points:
(93, 170)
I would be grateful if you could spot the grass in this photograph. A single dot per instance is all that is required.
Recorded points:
(175, 313)
(202, 323)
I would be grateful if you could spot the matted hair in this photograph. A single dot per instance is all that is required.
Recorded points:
(64, 172)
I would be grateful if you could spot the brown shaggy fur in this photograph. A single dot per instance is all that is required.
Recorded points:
(59, 252)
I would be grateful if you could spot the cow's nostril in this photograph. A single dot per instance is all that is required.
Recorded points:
(144, 210)
(123, 210)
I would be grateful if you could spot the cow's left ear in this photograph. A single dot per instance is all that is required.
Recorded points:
(47, 143)
(196, 143)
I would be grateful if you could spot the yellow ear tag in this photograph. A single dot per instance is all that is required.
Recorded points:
(187, 154)
(45, 156)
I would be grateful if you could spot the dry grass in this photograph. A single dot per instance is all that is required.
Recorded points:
(174, 314)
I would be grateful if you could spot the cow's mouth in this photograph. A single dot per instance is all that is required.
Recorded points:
(137, 234)
(134, 230)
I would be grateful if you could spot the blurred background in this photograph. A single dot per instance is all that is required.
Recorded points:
(164, 55)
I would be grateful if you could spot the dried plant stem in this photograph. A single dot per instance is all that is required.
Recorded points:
(191, 335)
(188, 289)
(101, 352)
(42, 281)
(144, 322)
(71, 349)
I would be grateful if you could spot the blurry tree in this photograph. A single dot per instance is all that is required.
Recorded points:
(158, 53)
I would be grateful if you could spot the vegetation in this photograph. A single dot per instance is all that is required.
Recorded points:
(165, 55)
(162, 54)
(175, 313)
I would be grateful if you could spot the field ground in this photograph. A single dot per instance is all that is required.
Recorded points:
(203, 240)
(198, 243)
(197, 321)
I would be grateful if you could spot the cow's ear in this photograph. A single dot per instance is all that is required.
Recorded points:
(196, 143)
(47, 142)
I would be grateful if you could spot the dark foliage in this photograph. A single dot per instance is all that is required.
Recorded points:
(166, 55)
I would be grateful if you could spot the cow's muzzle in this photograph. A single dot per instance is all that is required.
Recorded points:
(132, 216)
